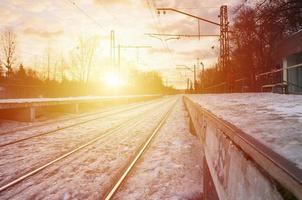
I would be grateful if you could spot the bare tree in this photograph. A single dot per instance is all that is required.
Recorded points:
(82, 58)
(8, 40)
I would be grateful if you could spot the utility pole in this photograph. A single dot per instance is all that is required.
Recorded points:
(119, 57)
(192, 70)
(112, 49)
(48, 64)
(224, 39)
(194, 77)
(198, 29)
(62, 69)
(188, 84)
(223, 36)
(55, 72)
(202, 76)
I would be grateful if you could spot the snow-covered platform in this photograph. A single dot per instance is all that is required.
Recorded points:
(248, 138)
(25, 109)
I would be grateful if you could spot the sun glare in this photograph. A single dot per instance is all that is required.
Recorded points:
(113, 80)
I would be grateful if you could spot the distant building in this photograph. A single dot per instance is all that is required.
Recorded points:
(290, 52)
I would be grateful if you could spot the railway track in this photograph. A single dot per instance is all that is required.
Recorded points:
(99, 115)
(119, 128)
(42, 149)
(132, 162)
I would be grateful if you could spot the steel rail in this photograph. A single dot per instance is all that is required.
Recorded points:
(24, 128)
(282, 170)
(111, 131)
(114, 188)
(72, 125)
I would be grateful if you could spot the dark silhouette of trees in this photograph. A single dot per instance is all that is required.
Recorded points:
(256, 34)
(2, 71)
(21, 74)
(26, 83)
(146, 81)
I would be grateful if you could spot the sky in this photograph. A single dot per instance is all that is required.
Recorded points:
(54, 27)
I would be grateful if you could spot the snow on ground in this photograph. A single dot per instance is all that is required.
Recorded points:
(88, 173)
(10, 125)
(171, 168)
(24, 156)
(273, 119)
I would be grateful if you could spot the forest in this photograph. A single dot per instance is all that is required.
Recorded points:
(256, 36)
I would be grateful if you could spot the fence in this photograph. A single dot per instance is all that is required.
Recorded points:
(288, 80)
(22, 91)
(219, 88)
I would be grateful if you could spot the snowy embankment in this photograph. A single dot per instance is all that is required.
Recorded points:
(171, 168)
(273, 119)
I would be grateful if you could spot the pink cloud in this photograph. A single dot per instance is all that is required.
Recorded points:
(42, 33)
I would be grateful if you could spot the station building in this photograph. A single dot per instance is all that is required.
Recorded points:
(290, 56)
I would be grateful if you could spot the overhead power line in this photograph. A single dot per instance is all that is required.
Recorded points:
(181, 35)
(87, 15)
(158, 27)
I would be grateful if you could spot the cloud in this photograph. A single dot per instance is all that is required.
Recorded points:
(112, 2)
(198, 53)
(42, 33)
(179, 27)
(8, 15)
(161, 50)
(34, 7)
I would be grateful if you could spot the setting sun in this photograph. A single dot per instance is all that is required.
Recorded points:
(113, 80)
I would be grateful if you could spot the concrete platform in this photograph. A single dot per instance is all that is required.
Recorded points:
(242, 162)
(29, 109)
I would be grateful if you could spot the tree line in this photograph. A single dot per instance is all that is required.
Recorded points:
(74, 79)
